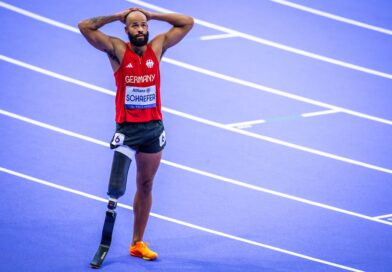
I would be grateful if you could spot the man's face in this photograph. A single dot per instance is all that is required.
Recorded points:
(137, 28)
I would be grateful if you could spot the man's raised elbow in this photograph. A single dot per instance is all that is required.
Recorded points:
(80, 26)
(83, 26)
(190, 20)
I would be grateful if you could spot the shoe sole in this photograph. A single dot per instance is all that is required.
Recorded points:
(144, 258)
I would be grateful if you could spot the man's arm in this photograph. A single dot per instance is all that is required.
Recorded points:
(89, 29)
(182, 24)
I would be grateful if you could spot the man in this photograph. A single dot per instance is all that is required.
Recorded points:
(139, 132)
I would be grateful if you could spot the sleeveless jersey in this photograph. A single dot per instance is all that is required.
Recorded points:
(138, 87)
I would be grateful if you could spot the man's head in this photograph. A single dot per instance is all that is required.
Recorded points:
(137, 28)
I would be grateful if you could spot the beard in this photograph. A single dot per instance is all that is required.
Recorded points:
(135, 41)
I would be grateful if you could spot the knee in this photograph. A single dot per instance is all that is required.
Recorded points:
(145, 187)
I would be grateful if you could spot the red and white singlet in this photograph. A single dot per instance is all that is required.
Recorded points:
(138, 84)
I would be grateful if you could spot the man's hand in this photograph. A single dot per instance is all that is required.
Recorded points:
(145, 12)
(123, 14)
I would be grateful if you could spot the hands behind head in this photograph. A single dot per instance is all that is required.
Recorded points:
(125, 13)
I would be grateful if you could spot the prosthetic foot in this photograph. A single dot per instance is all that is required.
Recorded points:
(107, 232)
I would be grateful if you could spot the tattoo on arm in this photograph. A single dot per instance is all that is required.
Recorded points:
(95, 20)
(100, 21)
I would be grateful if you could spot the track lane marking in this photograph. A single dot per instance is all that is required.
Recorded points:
(203, 120)
(219, 75)
(333, 16)
(177, 221)
(196, 171)
(217, 37)
(318, 113)
(249, 124)
(246, 124)
(383, 216)
(272, 43)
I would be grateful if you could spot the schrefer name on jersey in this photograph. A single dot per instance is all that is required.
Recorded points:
(138, 87)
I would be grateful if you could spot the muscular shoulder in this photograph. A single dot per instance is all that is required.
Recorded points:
(157, 45)
(117, 42)
(119, 47)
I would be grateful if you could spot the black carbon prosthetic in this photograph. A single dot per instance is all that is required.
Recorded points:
(116, 188)
(107, 233)
(118, 175)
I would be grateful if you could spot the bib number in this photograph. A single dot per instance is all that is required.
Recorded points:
(118, 139)
(140, 97)
(162, 139)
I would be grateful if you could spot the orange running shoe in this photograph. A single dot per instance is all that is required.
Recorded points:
(141, 250)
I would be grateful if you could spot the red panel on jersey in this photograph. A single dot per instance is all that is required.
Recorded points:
(138, 87)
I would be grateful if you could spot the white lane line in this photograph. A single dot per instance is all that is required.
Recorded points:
(246, 124)
(283, 195)
(333, 16)
(274, 91)
(56, 75)
(217, 37)
(54, 128)
(280, 142)
(39, 17)
(220, 28)
(272, 44)
(383, 216)
(204, 121)
(197, 171)
(176, 221)
(318, 113)
(257, 86)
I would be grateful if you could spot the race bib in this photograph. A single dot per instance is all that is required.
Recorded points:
(162, 139)
(118, 139)
(140, 97)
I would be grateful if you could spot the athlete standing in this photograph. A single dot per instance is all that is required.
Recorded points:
(139, 132)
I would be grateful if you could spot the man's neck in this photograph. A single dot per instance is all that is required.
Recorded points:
(139, 50)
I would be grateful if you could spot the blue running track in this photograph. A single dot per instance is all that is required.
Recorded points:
(279, 126)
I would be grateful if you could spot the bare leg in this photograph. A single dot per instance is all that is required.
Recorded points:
(147, 166)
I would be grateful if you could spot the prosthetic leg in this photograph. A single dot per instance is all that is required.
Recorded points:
(107, 232)
(117, 186)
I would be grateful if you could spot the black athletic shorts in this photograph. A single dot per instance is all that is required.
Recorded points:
(146, 137)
